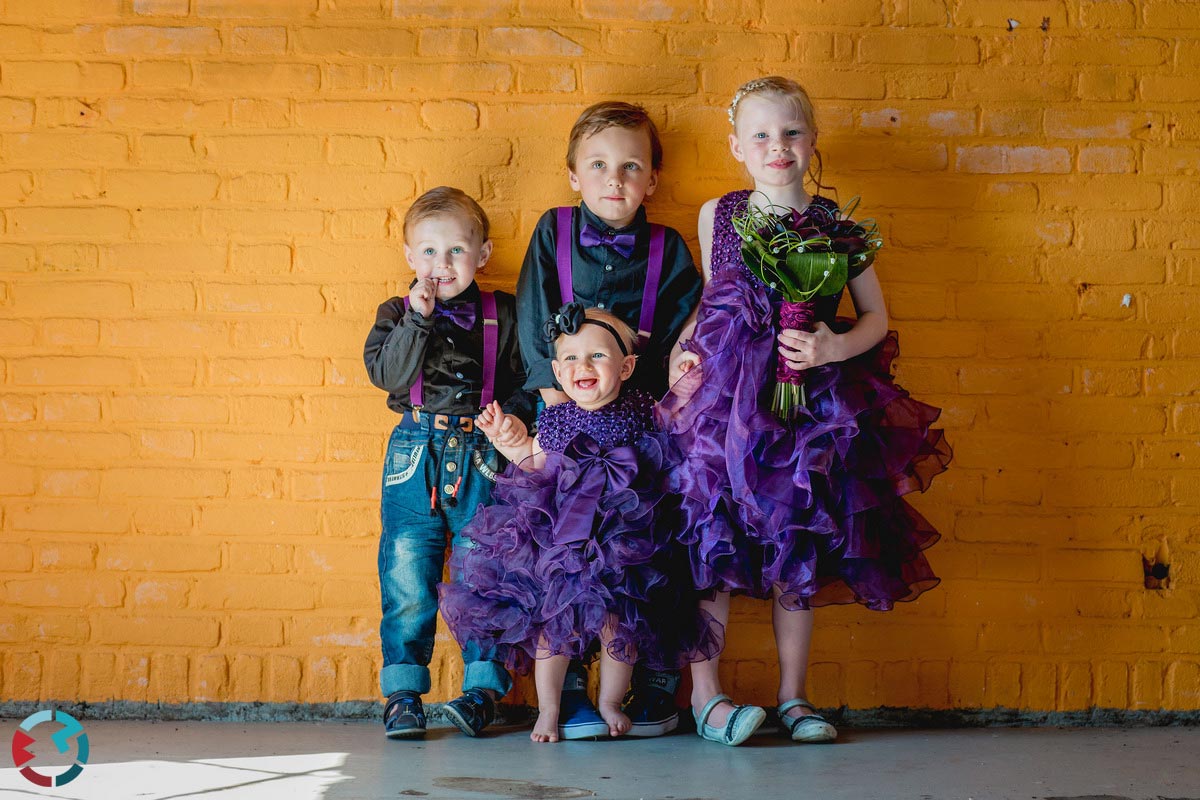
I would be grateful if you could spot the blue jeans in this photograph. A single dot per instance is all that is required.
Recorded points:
(436, 473)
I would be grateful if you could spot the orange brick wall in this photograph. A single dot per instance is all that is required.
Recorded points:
(199, 211)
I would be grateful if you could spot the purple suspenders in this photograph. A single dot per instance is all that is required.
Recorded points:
(653, 271)
(491, 347)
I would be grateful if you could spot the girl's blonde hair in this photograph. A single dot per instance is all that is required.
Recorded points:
(794, 93)
(622, 329)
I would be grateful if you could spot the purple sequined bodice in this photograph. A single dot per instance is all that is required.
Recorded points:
(620, 423)
(727, 245)
(726, 258)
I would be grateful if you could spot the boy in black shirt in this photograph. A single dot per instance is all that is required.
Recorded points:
(442, 353)
(604, 253)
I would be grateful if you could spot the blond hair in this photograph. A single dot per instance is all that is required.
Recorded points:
(447, 201)
(622, 328)
(792, 92)
(613, 114)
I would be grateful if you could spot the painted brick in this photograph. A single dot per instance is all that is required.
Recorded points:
(158, 40)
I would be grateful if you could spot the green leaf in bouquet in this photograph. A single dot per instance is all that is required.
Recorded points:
(839, 271)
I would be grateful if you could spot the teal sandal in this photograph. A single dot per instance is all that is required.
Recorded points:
(807, 728)
(743, 721)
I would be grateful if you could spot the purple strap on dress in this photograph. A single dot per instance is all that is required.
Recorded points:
(566, 285)
(491, 347)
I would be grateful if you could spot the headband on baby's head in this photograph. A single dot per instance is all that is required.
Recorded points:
(569, 319)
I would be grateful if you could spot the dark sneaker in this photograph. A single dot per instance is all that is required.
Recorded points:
(472, 712)
(577, 717)
(404, 717)
(650, 704)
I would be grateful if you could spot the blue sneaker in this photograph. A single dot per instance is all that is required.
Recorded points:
(650, 704)
(577, 717)
(472, 712)
(404, 717)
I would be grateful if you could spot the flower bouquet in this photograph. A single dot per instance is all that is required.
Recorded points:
(801, 255)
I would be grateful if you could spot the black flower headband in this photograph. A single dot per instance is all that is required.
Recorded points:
(569, 319)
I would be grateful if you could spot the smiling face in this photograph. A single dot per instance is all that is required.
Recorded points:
(591, 367)
(772, 138)
(447, 249)
(614, 173)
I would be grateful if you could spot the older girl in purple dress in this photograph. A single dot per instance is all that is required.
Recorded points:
(573, 552)
(806, 509)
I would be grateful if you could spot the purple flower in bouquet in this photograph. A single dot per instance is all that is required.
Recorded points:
(801, 255)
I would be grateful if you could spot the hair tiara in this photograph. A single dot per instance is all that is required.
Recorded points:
(749, 87)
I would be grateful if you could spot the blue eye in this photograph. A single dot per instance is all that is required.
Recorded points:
(597, 165)
(632, 167)
(457, 250)
(428, 251)
(760, 135)
(793, 132)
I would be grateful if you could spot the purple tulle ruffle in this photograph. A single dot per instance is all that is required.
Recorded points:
(812, 507)
(580, 547)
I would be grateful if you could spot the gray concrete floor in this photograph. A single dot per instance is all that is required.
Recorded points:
(335, 760)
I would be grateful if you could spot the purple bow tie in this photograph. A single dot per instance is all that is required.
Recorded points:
(621, 242)
(461, 314)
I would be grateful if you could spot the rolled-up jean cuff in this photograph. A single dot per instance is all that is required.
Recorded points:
(404, 678)
(487, 675)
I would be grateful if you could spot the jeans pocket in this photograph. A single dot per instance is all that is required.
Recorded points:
(486, 462)
(403, 460)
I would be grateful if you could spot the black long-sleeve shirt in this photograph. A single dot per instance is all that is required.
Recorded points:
(603, 277)
(404, 343)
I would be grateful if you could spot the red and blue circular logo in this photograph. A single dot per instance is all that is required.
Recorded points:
(71, 729)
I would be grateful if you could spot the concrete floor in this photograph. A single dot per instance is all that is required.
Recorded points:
(314, 761)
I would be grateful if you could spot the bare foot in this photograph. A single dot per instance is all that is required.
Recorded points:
(546, 727)
(618, 723)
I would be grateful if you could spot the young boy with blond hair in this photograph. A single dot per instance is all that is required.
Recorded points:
(605, 253)
(442, 353)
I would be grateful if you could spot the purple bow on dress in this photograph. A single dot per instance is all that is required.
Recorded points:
(621, 242)
(594, 475)
(461, 314)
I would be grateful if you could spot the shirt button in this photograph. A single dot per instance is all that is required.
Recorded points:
(448, 488)
(599, 305)
(458, 375)
(450, 341)
(451, 467)
(458, 396)
(608, 267)
(452, 441)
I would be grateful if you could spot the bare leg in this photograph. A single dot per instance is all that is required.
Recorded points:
(548, 674)
(793, 639)
(706, 681)
(614, 682)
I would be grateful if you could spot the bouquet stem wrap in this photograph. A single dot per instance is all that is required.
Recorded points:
(789, 383)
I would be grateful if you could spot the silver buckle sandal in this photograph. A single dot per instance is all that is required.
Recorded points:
(742, 723)
(807, 728)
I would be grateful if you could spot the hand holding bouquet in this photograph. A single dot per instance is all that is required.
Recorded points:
(801, 255)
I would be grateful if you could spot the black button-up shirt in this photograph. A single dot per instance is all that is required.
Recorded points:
(404, 343)
(603, 277)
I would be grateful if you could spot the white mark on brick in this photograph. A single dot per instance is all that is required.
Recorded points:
(1127, 301)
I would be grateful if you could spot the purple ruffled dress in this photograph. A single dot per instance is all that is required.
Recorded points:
(586, 543)
(814, 506)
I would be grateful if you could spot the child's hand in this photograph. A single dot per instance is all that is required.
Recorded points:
(491, 421)
(681, 364)
(804, 350)
(513, 433)
(422, 295)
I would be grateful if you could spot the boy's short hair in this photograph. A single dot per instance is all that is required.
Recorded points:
(447, 201)
(614, 114)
